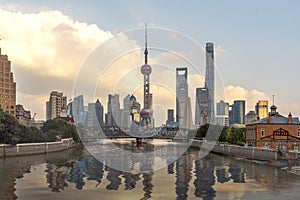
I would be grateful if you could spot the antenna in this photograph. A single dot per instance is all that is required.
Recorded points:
(146, 50)
(146, 35)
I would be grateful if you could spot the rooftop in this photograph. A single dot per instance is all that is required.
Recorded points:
(276, 119)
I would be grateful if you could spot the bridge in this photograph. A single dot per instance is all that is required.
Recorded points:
(115, 132)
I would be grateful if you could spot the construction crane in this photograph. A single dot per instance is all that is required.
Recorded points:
(33, 117)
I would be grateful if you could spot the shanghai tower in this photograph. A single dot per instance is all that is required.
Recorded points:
(210, 81)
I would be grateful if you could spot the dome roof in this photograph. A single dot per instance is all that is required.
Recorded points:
(132, 98)
(146, 69)
(273, 107)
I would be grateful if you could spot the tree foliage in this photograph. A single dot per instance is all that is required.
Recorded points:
(12, 132)
(222, 134)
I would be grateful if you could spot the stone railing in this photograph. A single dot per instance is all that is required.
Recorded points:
(246, 152)
(35, 148)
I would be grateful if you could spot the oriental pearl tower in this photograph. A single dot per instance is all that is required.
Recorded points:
(146, 113)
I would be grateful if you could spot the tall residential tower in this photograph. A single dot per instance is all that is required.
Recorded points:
(56, 106)
(7, 86)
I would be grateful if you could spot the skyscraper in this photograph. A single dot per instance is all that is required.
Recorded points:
(170, 116)
(56, 106)
(201, 113)
(183, 103)
(113, 116)
(135, 108)
(7, 86)
(125, 112)
(239, 111)
(261, 109)
(223, 108)
(78, 110)
(95, 116)
(210, 80)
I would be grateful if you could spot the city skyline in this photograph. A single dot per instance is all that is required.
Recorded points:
(247, 68)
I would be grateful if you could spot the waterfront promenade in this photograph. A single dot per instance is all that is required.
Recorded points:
(36, 148)
(265, 156)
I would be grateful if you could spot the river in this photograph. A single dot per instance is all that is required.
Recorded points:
(76, 174)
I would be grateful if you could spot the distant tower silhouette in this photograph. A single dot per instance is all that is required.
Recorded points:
(146, 112)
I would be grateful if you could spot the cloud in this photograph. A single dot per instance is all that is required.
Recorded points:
(35, 103)
(48, 42)
(46, 50)
(240, 93)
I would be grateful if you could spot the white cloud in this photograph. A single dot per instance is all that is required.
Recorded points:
(48, 42)
(240, 93)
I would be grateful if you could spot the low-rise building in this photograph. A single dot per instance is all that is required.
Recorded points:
(274, 132)
(23, 116)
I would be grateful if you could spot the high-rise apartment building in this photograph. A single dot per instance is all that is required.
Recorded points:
(56, 106)
(183, 102)
(201, 113)
(210, 80)
(7, 86)
(261, 109)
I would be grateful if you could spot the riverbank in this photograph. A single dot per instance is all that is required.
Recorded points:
(36, 148)
(253, 154)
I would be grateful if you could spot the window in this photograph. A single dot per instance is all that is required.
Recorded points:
(298, 132)
(262, 132)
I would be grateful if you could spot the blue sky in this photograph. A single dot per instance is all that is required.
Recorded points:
(259, 40)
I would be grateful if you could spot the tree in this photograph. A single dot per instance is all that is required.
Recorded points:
(61, 129)
(9, 130)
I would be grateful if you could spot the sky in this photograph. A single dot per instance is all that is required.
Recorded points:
(256, 46)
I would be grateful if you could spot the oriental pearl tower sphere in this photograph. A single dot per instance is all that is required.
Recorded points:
(146, 70)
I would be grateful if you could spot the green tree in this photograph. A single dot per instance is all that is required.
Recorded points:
(9, 130)
(60, 128)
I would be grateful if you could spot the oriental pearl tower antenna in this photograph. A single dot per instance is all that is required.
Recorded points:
(146, 113)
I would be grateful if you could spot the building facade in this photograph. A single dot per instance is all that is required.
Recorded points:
(223, 108)
(274, 132)
(210, 80)
(261, 109)
(250, 117)
(135, 109)
(23, 116)
(7, 86)
(56, 106)
(201, 108)
(183, 103)
(113, 115)
(94, 118)
(237, 112)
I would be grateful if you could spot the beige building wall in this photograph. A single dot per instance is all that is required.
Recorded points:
(7, 86)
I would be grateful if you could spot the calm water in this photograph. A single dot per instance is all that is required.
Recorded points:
(75, 174)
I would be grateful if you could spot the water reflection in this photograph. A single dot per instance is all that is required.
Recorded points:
(204, 171)
(191, 177)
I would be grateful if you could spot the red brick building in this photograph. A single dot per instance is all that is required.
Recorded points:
(274, 132)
